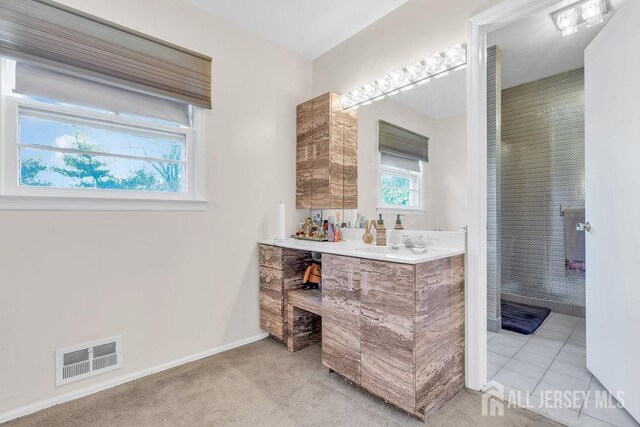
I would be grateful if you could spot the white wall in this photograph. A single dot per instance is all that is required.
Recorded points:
(448, 178)
(416, 29)
(173, 283)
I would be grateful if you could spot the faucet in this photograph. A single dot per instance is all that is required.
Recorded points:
(410, 244)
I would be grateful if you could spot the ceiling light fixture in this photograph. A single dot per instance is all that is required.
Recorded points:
(589, 11)
(568, 22)
(405, 78)
(592, 12)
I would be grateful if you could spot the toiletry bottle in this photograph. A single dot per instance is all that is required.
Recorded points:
(381, 233)
(337, 234)
(367, 237)
(396, 239)
(331, 230)
(398, 225)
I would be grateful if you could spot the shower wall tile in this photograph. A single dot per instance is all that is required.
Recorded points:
(542, 168)
(494, 95)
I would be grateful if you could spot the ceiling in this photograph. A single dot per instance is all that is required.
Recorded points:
(534, 48)
(307, 27)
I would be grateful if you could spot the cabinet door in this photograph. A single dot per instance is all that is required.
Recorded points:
(350, 148)
(341, 315)
(387, 360)
(304, 147)
(336, 154)
(320, 197)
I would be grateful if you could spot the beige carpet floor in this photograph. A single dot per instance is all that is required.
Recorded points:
(257, 384)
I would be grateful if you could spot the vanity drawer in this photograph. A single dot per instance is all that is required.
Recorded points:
(272, 301)
(270, 278)
(271, 256)
(274, 324)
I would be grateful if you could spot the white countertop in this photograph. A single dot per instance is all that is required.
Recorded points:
(358, 249)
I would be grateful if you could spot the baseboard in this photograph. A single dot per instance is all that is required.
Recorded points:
(494, 325)
(38, 406)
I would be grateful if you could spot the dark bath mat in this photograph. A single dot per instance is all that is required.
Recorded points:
(522, 318)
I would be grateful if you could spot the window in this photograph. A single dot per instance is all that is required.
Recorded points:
(57, 150)
(400, 183)
(68, 138)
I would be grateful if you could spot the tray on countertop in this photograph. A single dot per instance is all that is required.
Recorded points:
(311, 239)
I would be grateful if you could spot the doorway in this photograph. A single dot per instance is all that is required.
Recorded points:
(527, 183)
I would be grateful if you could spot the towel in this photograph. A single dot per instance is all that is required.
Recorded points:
(574, 244)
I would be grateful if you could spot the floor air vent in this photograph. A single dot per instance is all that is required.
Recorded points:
(86, 360)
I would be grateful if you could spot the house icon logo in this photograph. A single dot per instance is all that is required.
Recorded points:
(493, 400)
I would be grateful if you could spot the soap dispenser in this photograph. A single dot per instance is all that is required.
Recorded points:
(396, 238)
(381, 233)
(398, 224)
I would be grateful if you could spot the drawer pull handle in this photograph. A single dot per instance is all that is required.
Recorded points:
(267, 279)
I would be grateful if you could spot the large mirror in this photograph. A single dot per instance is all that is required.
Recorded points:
(425, 182)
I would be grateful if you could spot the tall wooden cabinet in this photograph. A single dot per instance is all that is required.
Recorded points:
(326, 155)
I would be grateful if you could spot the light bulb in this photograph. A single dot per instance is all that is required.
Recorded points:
(568, 22)
(434, 64)
(592, 12)
(396, 76)
(369, 90)
(567, 31)
(455, 54)
(416, 71)
(382, 83)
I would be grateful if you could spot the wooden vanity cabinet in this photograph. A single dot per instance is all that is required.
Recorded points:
(396, 330)
(341, 310)
(281, 270)
(326, 155)
(387, 331)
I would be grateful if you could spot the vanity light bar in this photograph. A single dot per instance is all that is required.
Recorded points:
(589, 11)
(405, 78)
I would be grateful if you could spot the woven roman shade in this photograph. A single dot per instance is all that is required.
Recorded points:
(66, 40)
(400, 162)
(39, 82)
(401, 142)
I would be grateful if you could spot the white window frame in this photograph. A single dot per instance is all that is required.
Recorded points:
(417, 177)
(21, 197)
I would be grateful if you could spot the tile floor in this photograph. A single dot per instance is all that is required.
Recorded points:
(542, 366)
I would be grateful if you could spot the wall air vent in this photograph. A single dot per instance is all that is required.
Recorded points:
(86, 360)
